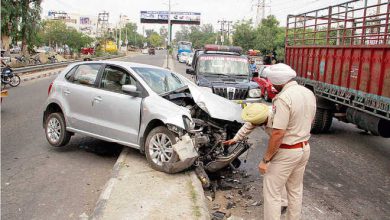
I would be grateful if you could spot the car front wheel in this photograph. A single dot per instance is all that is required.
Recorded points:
(159, 148)
(55, 130)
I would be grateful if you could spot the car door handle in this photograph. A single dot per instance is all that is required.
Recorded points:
(67, 92)
(96, 99)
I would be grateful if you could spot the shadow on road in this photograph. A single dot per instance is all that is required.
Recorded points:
(92, 145)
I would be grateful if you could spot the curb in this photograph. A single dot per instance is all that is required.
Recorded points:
(106, 192)
(40, 76)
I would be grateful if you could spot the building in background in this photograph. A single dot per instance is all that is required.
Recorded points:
(83, 23)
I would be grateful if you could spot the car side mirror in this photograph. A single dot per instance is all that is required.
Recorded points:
(190, 71)
(131, 90)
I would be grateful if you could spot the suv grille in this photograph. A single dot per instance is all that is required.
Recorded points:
(231, 92)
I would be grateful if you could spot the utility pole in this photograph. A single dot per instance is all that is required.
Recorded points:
(169, 32)
(260, 11)
(120, 32)
(229, 23)
(222, 30)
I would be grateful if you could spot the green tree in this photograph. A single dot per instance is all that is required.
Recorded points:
(244, 35)
(29, 23)
(155, 40)
(269, 36)
(10, 16)
(133, 37)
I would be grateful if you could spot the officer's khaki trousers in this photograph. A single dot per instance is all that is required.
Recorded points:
(285, 170)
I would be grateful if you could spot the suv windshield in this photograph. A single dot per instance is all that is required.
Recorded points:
(225, 65)
(160, 81)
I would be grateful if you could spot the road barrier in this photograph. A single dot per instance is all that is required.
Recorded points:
(41, 67)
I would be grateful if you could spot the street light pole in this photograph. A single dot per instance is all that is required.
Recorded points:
(169, 32)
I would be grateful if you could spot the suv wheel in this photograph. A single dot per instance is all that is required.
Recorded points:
(55, 130)
(158, 148)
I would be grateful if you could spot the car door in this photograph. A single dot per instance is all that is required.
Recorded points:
(78, 93)
(117, 113)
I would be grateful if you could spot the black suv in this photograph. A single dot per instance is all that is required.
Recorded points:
(226, 72)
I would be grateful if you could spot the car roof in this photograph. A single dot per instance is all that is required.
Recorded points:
(221, 54)
(120, 63)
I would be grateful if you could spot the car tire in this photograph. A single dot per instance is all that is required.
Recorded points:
(156, 153)
(55, 130)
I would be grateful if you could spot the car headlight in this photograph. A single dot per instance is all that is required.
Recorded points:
(254, 93)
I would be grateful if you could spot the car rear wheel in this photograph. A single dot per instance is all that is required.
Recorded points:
(55, 130)
(159, 148)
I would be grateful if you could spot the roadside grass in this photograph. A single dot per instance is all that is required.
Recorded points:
(194, 199)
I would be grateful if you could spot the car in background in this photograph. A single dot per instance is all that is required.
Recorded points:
(151, 51)
(87, 50)
(15, 49)
(268, 91)
(189, 59)
(183, 57)
(224, 70)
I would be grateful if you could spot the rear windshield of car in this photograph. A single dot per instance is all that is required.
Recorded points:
(160, 81)
(227, 65)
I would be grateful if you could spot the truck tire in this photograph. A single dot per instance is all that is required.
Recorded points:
(322, 121)
(328, 118)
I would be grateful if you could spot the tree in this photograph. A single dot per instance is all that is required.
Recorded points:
(10, 16)
(30, 16)
(133, 37)
(269, 36)
(155, 40)
(244, 35)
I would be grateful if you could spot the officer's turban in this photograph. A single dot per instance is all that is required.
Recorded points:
(279, 74)
(256, 113)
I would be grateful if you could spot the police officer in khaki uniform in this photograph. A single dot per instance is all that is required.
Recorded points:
(288, 151)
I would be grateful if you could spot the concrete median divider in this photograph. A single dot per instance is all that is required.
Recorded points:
(136, 191)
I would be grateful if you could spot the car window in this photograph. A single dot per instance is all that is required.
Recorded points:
(114, 78)
(159, 80)
(85, 74)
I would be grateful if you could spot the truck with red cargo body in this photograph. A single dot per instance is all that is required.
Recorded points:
(342, 53)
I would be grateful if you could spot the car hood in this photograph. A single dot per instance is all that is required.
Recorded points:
(216, 106)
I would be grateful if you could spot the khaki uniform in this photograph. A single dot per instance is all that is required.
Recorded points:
(293, 111)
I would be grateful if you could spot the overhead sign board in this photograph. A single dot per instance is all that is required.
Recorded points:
(161, 17)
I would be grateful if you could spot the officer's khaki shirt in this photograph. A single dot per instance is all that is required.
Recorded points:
(294, 109)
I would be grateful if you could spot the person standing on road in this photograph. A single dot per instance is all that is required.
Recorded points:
(288, 151)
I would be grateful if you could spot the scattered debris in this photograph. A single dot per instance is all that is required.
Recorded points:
(234, 218)
(216, 206)
(230, 204)
(209, 198)
(256, 203)
(229, 196)
(218, 215)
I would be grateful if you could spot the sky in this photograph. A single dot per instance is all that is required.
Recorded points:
(211, 10)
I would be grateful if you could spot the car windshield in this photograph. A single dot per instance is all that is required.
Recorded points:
(159, 80)
(225, 65)
(184, 47)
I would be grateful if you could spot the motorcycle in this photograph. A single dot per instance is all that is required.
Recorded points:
(35, 60)
(8, 77)
(52, 59)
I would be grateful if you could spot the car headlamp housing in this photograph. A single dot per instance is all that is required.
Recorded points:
(254, 93)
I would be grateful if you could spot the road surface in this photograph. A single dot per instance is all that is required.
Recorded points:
(348, 176)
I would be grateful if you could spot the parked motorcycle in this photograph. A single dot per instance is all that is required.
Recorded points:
(52, 59)
(22, 59)
(8, 77)
(35, 60)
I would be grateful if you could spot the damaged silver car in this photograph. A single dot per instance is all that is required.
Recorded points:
(174, 122)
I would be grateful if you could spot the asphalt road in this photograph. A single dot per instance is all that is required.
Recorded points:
(42, 182)
(348, 175)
